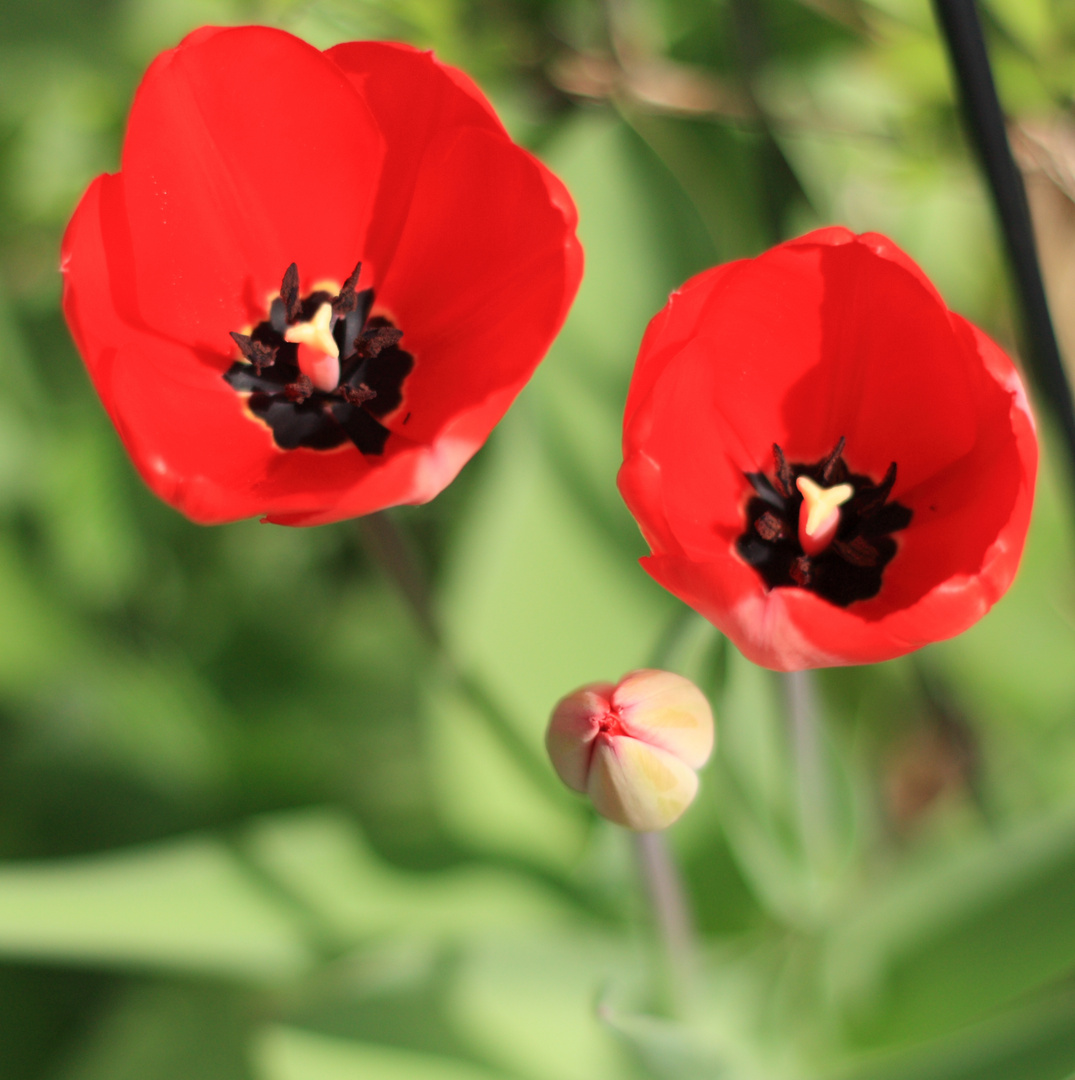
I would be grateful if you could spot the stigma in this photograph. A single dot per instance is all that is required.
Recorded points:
(318, 353)
(819, 515)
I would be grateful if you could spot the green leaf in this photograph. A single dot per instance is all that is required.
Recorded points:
(1033, 1042)
(283, 1053)
(320, 858)
(528, 1002)
(185, 905)
(165, 1032)
(972, 931)
(484, 797)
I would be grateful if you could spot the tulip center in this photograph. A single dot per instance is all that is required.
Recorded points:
(821, 527)
(320, 371)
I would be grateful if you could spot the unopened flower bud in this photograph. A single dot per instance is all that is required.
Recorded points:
(633, 747)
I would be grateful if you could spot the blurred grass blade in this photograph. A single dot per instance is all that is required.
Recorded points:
(967, 934)
(291, 1054)
(182, 906)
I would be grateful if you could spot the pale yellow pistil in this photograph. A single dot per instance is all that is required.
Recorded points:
(819, 515)
(318, 354)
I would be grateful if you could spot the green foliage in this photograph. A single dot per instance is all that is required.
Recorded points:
(251, 826)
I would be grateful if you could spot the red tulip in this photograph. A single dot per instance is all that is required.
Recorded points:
(827, 463)
(319, 279)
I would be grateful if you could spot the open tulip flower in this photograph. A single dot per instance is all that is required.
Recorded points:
(827, 463)
(318, 280)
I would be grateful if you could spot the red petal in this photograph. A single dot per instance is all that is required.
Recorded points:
(858, 344)
(884, 339)
(246, 150)
(473, 243)
(183, 426)
(480, 280)
(188, 432)
(415, 99)
(668, 331)
(408, 474)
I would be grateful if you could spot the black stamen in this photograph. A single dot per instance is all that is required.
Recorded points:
(784, 482)
(372, 342)
(257, 352)
(372, 370)
(358, 395)
(289, 292)
(828, 466)
(770, 527)
(347, 301)
(851, 567)
(300, 390)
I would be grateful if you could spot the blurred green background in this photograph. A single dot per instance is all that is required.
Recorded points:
(252, 828)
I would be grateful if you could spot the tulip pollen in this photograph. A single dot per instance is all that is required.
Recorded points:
(318, 353)
(819, 515)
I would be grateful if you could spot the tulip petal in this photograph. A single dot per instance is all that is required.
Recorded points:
(190, 435)
(415, 99)
(639, 785)
(246, 150)
(572, 729)
(478, 279)
(668, 711)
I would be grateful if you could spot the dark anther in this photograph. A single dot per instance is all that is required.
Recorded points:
(257, 352)
(300, 390)
(800, 571)
(372, 370)
(828, 466)
(783, 481)
(859, 552)
(356, 395)
(289, 292)
(770, 527)
(871, 500)
(851, 567)
(372, 342)
(347, 301)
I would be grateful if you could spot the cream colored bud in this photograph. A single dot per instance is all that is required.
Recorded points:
(633, 747)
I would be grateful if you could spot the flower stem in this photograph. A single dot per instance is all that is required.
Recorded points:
(672, 919)
(985, 124)
(394, 552)
(814, 796)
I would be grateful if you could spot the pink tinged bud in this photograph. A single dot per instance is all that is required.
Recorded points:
(634, 747)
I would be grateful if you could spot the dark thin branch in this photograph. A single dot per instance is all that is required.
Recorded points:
(985, 124)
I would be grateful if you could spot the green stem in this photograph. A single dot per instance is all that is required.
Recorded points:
(672, 918)
(814, 795)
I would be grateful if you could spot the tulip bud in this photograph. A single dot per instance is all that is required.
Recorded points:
(633, 747)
